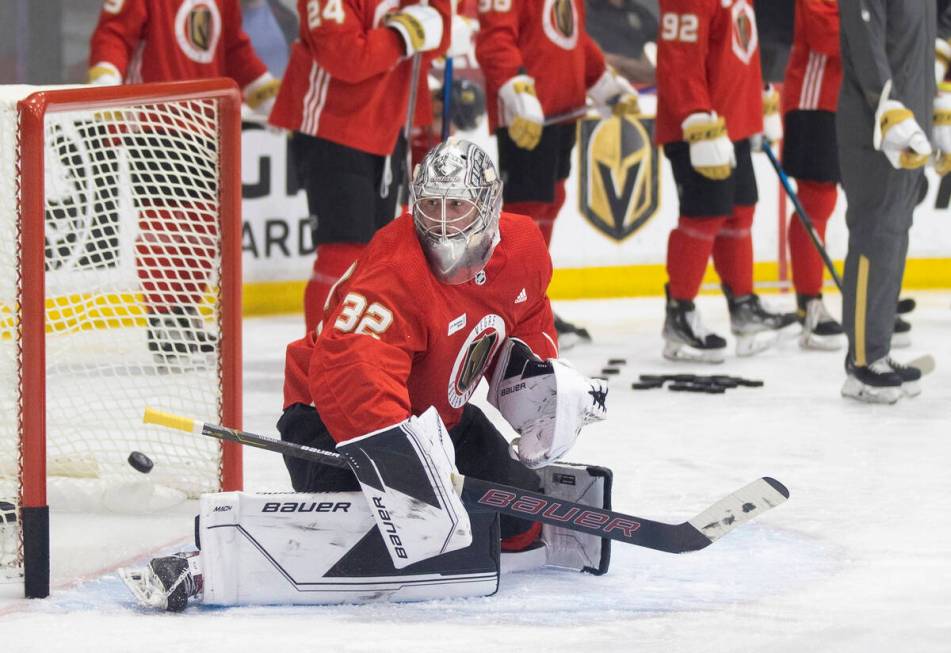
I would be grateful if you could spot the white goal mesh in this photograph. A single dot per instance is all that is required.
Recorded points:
(134, 269)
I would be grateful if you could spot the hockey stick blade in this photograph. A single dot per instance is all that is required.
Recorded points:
(924, 363)
(700, 532)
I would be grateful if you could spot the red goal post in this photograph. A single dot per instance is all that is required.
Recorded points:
(155, 171)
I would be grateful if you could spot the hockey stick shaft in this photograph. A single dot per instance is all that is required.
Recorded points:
(803, 216)
(446, 98)
(408, 126)
(693, 535)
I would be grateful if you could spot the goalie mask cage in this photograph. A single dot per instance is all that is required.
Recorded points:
(119, 287)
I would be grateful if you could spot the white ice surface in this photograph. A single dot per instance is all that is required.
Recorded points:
(859, 558)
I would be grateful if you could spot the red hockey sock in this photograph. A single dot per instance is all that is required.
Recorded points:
(522, 540)
(331, 262)
(543, 213)
(733, 251)
(818, 199)
(688, 250)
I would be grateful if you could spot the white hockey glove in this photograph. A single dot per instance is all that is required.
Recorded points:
(772, 119)
(463, 31)
(898, 135)
(104, 74)
(616, 93)
(407, 475)
(942, 130)
(711, 152)
(260, 94)
(546, 402)
(521, 111)
(942, 57)
(419, 25)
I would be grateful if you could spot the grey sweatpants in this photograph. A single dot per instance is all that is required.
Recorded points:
(880, 200)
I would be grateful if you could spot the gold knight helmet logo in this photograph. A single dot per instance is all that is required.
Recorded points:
(199, 27)
(620, 190)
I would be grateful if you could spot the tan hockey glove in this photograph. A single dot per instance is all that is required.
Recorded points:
(772, 120)
(420, 26)
(941, 134)
(614, 91)
(902, 139)
(260, 94)
(522, 112)
(711, 152)
(104, 74)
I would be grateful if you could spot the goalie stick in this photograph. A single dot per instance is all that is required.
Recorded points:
(694, 534)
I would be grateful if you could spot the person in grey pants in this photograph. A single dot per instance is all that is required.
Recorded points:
(883, 124)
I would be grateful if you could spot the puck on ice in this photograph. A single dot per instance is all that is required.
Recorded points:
(140, 462)
(617, 361)
(610, 370)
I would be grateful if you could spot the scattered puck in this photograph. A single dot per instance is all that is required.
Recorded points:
(697, 387)
(617, 361)
(749, 383)
(140, 462)
(646, 385)
(653, 378)
(610, 370)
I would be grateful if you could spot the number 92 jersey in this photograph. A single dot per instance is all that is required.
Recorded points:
(708, 60)
(395, 341)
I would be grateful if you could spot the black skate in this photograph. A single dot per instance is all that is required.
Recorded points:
(877, 383)
(748, 318)
(819, 328)
(570, 335)
(910, 376)
(685, 337)
(166, 583)
(179, 337)
(901, 335)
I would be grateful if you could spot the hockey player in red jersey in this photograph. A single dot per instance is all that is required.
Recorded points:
(810, 155)
(345, 95)
(709, 105)
(445, 295)
(539, 62)
(145, 41)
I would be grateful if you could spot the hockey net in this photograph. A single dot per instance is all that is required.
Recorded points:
(119, 288)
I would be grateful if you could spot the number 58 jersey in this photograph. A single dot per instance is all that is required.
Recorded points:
(395, 340)
(708, 60)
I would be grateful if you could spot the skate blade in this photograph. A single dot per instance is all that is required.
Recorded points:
(678, 352)
(813, 342)
(855, 389)
(144, 586)
(911, 388)
(750, 345)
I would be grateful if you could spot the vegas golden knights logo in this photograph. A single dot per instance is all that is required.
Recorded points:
(476, 362)
(199, 26)
(564, 18)
(620, 189)
(744, 31)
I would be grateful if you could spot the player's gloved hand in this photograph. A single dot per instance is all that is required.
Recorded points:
(900, 137)
(941, 134)
(260, 94)
(615, 92)
(711, 152)
(420, 26)
(460, 41)
(104, 74)
(522, 112)
(468, 104)
(942, 58)
(772, 120)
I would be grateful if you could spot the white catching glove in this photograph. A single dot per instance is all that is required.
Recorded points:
(522, 112)
(942, 57)
(546, 402)
(463, 31)
(615, 92)
(104, 74)
(419, 25)
(711, 152)
(260, 94)
(772, 120)
(899, 136)
(942, 130)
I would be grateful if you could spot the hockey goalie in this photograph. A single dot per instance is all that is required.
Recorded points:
(449, 293)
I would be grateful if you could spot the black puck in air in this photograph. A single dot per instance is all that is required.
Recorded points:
(140, 462)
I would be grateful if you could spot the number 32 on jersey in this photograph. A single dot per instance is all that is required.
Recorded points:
(356, 317)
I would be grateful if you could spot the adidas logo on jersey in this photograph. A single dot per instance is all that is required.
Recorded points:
(522, 296)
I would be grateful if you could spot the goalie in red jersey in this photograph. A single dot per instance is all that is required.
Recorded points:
(449, 293)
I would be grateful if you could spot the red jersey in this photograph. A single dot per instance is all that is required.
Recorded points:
(174, 40)
(347, 80)
(708, 60)
(814, 71)
(545, 39)
(397, 341)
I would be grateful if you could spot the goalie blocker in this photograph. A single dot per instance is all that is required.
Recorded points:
(327, 547)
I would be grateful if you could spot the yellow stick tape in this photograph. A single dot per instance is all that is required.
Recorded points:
(160, 417)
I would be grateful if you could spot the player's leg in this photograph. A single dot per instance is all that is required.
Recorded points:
(301, 424)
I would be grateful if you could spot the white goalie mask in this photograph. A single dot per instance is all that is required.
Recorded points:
(456, 199)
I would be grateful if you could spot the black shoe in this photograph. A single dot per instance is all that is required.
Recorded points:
(906, 305)
(570, 335)
(877, 383)
(901, 334)
(685, 337)
(176, 336)
(176, 580)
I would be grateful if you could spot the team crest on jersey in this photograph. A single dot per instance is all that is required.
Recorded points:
(745, 38)
(560, 23)
(620, 188)
(197, 29)
(474, 357)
